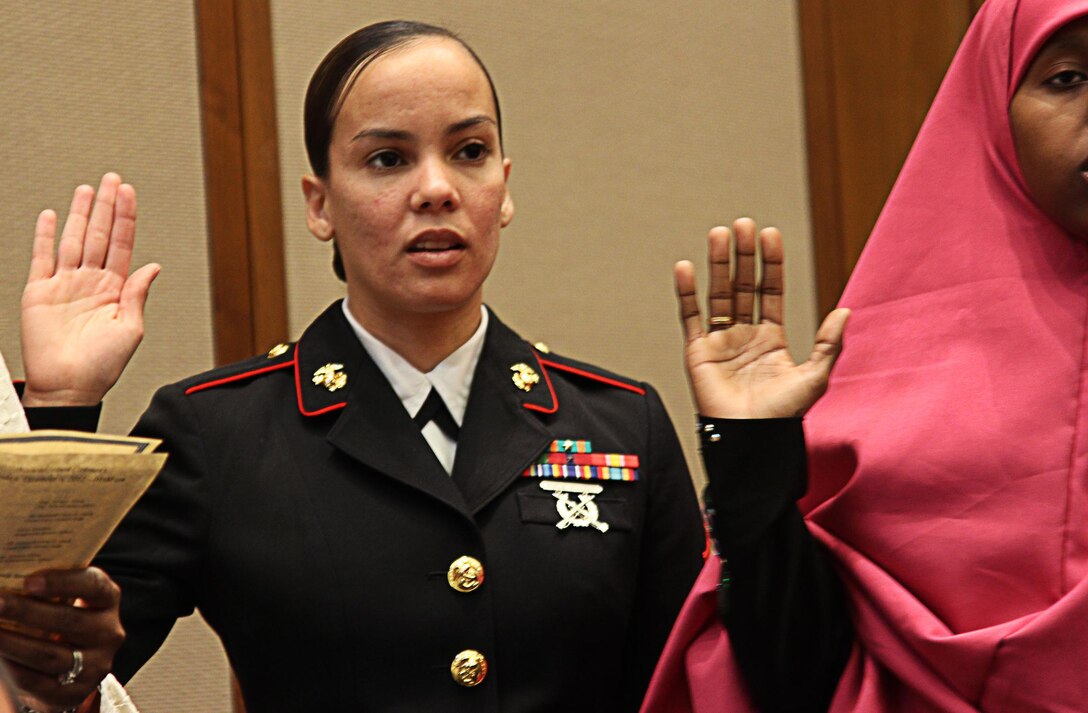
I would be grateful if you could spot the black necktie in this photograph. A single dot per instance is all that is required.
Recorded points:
(434, 409)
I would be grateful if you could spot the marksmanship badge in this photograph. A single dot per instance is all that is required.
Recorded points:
(583, 513)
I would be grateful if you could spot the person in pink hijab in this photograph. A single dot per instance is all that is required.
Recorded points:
(939, 559)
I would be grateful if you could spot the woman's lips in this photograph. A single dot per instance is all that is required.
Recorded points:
(436, 248)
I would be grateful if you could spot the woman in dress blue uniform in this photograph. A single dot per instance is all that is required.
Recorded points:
(411, 508)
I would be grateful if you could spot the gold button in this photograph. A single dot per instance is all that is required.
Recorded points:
(469, 668)
(542, 348)
(465, 574)
(278, 350)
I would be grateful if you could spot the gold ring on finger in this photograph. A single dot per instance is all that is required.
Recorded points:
(716, 323)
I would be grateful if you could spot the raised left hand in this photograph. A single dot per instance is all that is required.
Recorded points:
(41, 651)
(82, 313)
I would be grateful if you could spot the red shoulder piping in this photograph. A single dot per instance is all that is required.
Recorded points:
(237, 377)
(590, 375)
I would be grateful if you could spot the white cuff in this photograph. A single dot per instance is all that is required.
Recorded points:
(114, 697)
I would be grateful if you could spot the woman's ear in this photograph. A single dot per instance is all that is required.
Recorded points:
(317, 217)
(506, 212)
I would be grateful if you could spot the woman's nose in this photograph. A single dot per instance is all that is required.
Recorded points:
(436, 190)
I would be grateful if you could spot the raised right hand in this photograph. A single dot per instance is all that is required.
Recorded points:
(737, 368)
(82, 313)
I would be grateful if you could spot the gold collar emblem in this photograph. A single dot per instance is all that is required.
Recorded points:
(331, 377)
(524, 377)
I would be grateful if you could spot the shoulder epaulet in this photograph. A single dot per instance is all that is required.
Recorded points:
(550, 360)
(281, 356)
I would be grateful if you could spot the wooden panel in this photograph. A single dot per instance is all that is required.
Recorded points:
(242, 177)
(823, 153)
(224, 177)
(871, 70)
(260, 150)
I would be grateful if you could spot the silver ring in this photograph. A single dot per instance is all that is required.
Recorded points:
(70, 676)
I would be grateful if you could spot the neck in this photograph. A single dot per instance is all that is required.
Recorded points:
(423, 339)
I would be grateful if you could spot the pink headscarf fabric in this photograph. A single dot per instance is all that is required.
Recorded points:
(949, 458)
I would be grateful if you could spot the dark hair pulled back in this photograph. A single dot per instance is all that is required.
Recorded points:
(335, 76)
(337, 73)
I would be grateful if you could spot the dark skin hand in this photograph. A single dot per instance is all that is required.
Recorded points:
(745, 370)
(739, 368)
(50, 629)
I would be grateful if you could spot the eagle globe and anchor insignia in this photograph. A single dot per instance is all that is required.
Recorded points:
(525, 377)
(331, 377)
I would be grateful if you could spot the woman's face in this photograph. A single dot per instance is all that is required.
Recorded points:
(416, 190)
(1049, 116)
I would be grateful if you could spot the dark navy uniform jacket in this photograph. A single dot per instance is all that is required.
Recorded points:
(314, 530)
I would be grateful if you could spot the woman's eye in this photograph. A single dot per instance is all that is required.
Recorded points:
(1067, 78)
(473, 152)
(385, 159)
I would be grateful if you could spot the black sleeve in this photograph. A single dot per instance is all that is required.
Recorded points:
(780, 599)
(66, 418)
(154, 555)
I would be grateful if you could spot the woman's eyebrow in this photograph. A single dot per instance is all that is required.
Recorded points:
(469, 123)
(389, 134)
(400, 135)
(1064, 42)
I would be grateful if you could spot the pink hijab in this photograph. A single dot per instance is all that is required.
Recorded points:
(949, 458)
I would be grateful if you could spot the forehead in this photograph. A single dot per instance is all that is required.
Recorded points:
(1071, 37)
(433, 76)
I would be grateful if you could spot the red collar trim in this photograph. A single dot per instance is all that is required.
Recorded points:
(551, 389)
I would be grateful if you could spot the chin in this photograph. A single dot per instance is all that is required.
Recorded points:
(1075, 225)
(444, 301)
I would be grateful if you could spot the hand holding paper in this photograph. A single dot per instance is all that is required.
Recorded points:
(39, 660)
(61, 494)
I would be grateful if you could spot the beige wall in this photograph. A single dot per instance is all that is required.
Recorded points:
(633, 128)
(91, 87)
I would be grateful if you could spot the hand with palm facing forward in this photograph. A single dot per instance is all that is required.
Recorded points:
(737, 367)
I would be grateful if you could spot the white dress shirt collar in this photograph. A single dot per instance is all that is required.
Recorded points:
(452, 378)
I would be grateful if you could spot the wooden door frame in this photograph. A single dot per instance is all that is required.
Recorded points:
(242, 176)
